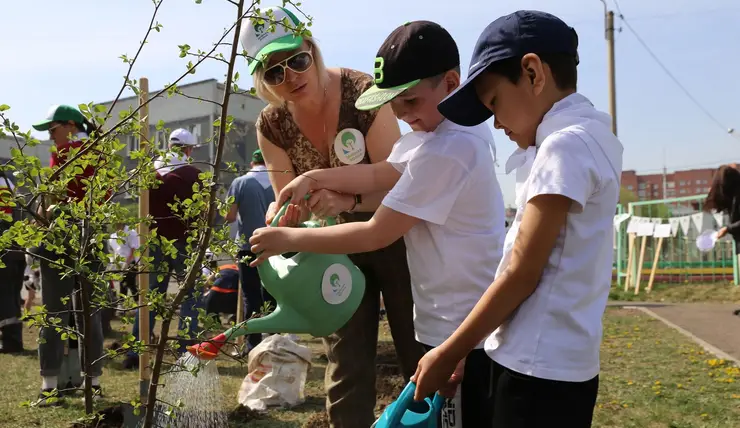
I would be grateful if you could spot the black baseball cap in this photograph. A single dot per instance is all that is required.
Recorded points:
(414, 51)
(511, 36)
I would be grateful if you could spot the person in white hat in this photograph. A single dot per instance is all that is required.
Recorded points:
(183, 140)
(177, 177)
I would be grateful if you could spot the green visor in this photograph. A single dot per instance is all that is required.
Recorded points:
(285, 43)
(375, 97)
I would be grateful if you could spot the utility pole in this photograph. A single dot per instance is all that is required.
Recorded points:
(609, 34)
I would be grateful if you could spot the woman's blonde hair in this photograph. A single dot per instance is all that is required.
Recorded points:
(265, 92)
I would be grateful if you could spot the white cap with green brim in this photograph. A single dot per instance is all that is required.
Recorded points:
(259, 42)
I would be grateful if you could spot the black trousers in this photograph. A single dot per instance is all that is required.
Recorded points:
(476, 393)
(221, 303)
(254, 293)
(521, 401)
(128, 283)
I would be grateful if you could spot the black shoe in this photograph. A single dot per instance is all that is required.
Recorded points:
(70, 389)
(736, 312)
(131, 362)
(50, 397)
(12, 339)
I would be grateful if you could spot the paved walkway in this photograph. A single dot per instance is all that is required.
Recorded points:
(713, 323)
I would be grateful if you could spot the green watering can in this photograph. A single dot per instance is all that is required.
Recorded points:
(315, 293)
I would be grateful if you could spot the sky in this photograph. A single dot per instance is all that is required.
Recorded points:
(68, 53)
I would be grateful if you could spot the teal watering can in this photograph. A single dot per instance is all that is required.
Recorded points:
(407, 413)
(315, 293)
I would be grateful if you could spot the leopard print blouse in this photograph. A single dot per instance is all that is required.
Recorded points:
(277, 125)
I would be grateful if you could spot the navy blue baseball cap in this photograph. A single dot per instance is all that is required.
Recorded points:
(511, 36)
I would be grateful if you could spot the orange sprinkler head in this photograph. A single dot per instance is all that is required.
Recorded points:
(200, 350)
(208, 350)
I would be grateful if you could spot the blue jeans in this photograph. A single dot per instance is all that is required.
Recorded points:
(254, 294)
(189, 306)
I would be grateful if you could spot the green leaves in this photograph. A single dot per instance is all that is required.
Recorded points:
(184, 50)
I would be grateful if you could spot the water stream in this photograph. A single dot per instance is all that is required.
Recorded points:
(191, 396)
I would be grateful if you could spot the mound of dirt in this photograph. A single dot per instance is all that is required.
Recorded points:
(317, 420)
(388, 382)
(243, 414)
(111, 417)
(386, 361)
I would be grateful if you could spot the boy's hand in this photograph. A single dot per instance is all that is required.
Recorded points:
(270, 241)
(722, 232)
(297, 189)
(437, 372)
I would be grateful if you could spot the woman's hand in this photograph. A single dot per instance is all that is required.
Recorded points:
(722, 232)
(436, 371)
(270, 241)
(326, 203)
(297, 189)
(290, 218)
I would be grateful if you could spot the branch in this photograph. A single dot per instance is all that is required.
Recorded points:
(198, 98)
(207, 56)
(157, 4)
(91, 143)
(205, 238)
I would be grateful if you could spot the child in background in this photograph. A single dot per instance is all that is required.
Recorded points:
(443, 198)
(542, 315)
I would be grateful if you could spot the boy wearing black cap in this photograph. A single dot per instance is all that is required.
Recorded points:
(443, 198)
(543, 312)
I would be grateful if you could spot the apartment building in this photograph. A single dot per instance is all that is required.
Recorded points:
(690, 182)
(195, 110)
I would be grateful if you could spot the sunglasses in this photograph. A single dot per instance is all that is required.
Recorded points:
(51, 129)
(299, 63)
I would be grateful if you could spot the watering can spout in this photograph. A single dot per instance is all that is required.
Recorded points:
(282, 319)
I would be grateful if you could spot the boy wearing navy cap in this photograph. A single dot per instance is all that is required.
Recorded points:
(443, 198)
(542, 314)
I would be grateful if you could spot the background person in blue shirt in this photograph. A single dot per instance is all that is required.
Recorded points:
(253, 195)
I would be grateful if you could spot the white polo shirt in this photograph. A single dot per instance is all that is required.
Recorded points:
(556, 333)
(448, 180)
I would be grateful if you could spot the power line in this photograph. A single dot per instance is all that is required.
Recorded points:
(724, 128)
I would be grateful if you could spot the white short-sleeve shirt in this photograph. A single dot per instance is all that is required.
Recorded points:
(449, 181)
(556, 333)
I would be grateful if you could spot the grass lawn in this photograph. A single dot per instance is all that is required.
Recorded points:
(651, 377)
(679, 293)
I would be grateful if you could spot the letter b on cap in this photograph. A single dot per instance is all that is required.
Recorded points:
(378, 70)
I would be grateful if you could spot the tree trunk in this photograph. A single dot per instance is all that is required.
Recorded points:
(203, 243)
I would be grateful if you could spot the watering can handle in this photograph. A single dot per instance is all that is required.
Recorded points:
(329, 220)
(403, 402)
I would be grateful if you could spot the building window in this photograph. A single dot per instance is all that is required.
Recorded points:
(630, 187)
(681, 183)
(641, 186)
(698, 190)
(160, 139)
(698, 182)
(655, 186)
(671, 184)
(195, 130)
(641, 193)
(682, 191)
(132, 143)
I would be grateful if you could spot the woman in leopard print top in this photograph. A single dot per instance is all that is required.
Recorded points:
(308, 106)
